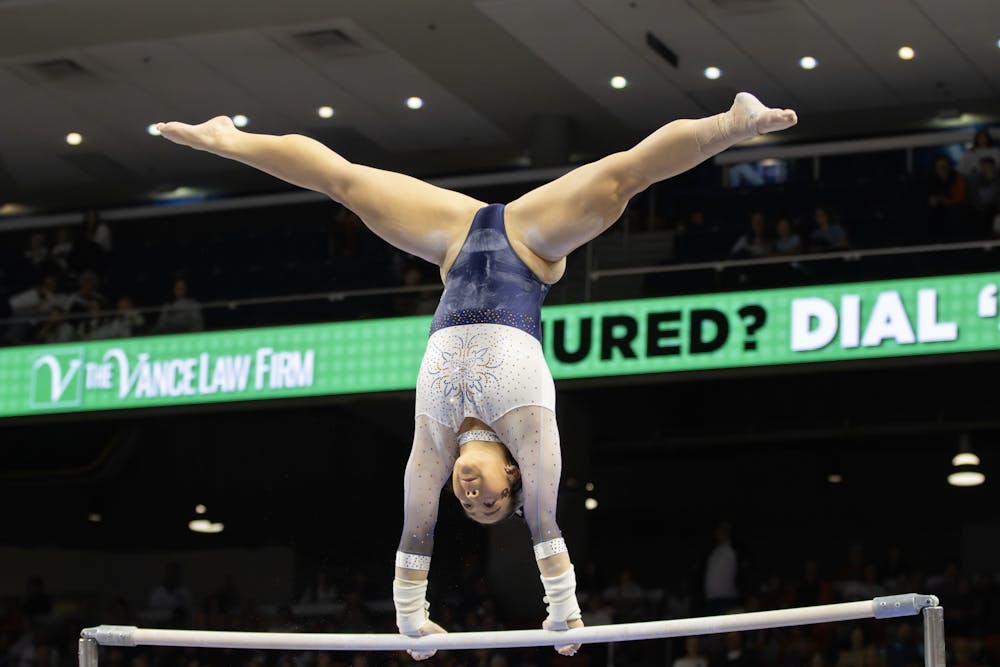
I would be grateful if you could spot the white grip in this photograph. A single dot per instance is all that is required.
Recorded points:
(410, 599)
(560, 595)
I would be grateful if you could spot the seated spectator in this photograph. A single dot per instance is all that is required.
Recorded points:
(63, 248)
(693, 657)
(787, 242)
(56, 328)
(31, 306)
(98, 231)
(626, 597)
(422, 302)
(125, 322)
(37, 254)
(735, 654)
(721, 592)
(596, 611)
(756, 242)
(946, 201)
(87, 303)
(180, 315)
(696, 238)
(984, 197)
(983, 147)
(827, 235)
(172, 596)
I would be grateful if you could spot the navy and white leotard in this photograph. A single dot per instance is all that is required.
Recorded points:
(484, 356)
(484, 360)
(489, 283)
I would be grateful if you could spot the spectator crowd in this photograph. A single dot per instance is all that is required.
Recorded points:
(35, 633)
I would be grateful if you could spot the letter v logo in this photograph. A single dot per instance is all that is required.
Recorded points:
(56, 379)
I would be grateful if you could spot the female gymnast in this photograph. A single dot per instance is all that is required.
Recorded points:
(485, 400)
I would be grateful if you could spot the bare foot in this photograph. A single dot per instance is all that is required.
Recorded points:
(209, 136)
(751, 116)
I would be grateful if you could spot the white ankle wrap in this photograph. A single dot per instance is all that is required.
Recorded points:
(560, 595)
(410, 599)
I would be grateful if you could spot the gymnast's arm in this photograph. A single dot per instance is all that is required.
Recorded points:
(426, 472)
(532, 436)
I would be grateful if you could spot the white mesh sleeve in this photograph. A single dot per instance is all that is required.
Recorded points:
(427, 470)
(532, 436)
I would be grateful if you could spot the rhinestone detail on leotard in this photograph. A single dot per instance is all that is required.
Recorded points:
(526, 323)
(550, 548)
(478, 435)
(412, 561)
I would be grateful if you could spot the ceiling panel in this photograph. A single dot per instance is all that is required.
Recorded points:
(576, 43)
(383, 80)
(973, 27)
(34, 126)
(486, 69)
(698, 44)
(776, 34)
(937, 74)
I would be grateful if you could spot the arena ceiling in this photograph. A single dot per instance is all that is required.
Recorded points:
(497, 77)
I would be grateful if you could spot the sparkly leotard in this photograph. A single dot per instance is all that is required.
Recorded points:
(484, 359)
(489, 283)
(484, 356)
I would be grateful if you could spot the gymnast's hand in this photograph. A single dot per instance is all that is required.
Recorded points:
(428, 628)
(209, 136)
(564, 649)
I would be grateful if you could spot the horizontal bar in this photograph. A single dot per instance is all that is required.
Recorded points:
(910, 604)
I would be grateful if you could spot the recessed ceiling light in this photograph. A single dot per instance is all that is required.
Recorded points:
(239, 120)
(834, 478)
(590, 503)
(200, 509)
(152, 130)
(807, 62)
(906, 53)
(205, 526)
(325, 112)
(618, 82)
(965, 459)
(966, 478)
(74, 138)
(10, 208)
(589, 486)
(414, 102)
(94, 517)
(712, 72)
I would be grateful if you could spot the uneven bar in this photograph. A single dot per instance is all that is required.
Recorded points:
(882, 607)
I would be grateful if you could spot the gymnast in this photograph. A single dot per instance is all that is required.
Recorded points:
(485, 400)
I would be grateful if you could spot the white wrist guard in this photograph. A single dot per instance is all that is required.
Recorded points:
(560, 595)
(410, 599)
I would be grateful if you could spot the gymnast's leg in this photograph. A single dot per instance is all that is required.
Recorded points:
(556, 218)
(414, 216)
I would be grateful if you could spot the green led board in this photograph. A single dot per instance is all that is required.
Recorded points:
(937, 315)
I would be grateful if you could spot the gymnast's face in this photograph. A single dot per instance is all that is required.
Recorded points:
(482, 479)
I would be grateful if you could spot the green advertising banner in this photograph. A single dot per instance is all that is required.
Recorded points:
(936, 315)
